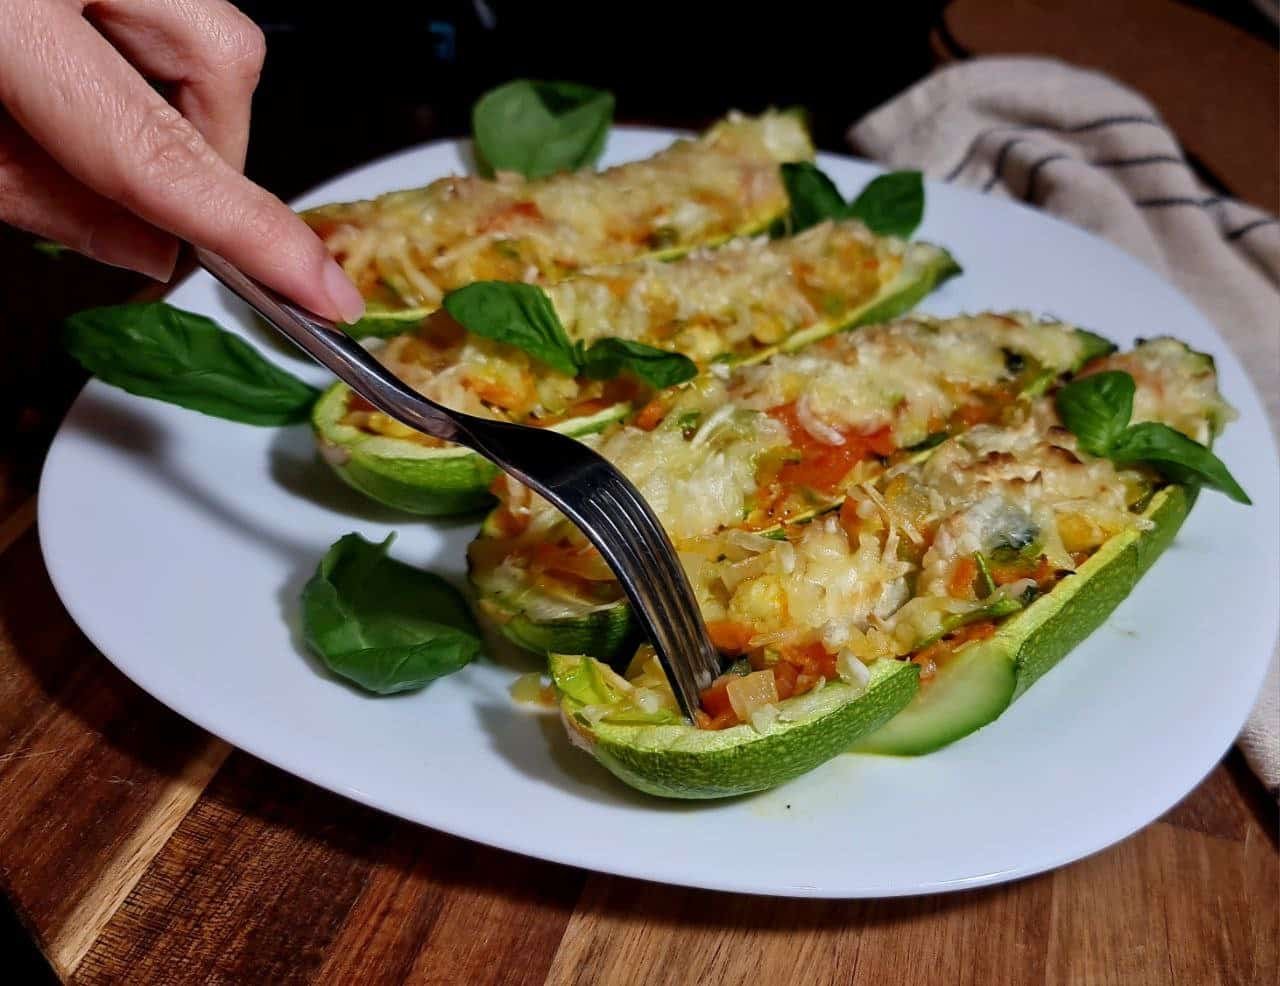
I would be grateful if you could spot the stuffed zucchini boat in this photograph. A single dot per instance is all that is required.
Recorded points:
(738, 303)
(762, 445)
(405, 250)
(913, 615)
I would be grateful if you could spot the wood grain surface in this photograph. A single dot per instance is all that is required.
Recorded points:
(137, 850)
(134, 848)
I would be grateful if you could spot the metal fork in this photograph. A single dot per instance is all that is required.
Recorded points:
(604, 504)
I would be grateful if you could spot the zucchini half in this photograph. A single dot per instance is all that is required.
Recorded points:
(434, 481)
(534, 619)
(406, 249)
(676, 760)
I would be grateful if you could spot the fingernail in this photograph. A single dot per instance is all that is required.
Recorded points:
(342, 293)
(135, 246)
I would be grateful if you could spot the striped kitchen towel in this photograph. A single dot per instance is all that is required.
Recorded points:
(1084, 147)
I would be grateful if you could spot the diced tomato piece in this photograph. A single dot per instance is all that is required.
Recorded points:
(822, 467)
(960, 585)
(812, 658)
(784, 678)
(881, 442)
(715, 699)
(724, 720)
(730, 636)
(357, 403)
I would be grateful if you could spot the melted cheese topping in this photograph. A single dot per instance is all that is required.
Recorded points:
(407, 249)
(722, 440)
(1176, 385)
(734, 301)
(898, 565)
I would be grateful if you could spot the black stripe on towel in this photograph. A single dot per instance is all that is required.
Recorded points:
(1034, 171)
(1001, 156)
(1249, 227)
(1129, 162)
(1098, 124)
(1165, 203)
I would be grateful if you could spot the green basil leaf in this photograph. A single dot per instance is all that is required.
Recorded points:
(156, 350)
(539, 128)
(520, 315)
(384, 324)
(1182, 458)
(1096, 408)
(814, 197)
(606, 358)
(892, 204)
(383, 624)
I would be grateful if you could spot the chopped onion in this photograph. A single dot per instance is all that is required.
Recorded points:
(749, 541)
(714, 420)
(764, 717)
(751, 692)
(851, 670)
(814, 425)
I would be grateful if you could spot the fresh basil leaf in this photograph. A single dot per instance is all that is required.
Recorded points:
(156, 350)
(607, 358)
(814, 197)
(1177, 455)
(520, 315)
(892, 204)
(1096, 408)
(382, 324)
(539, 128)
(383, 624)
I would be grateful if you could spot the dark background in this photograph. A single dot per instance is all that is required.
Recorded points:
(345, 83)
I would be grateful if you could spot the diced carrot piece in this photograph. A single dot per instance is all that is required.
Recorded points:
(730, 636)
(960, 585)
(651, 414)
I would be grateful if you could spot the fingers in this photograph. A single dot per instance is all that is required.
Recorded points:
(92, 113)
(207, 47)
(39, 196)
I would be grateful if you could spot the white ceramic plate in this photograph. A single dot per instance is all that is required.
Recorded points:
(179, 543)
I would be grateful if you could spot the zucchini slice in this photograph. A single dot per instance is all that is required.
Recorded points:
(405, 250)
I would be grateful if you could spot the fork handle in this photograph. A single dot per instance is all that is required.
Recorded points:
(341, 355)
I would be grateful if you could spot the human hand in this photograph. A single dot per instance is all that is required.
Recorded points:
(93, 157)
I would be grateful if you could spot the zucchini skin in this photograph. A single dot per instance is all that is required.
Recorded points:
(411, 477)
(1054, 624)
(605, 631)
(681, 761)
